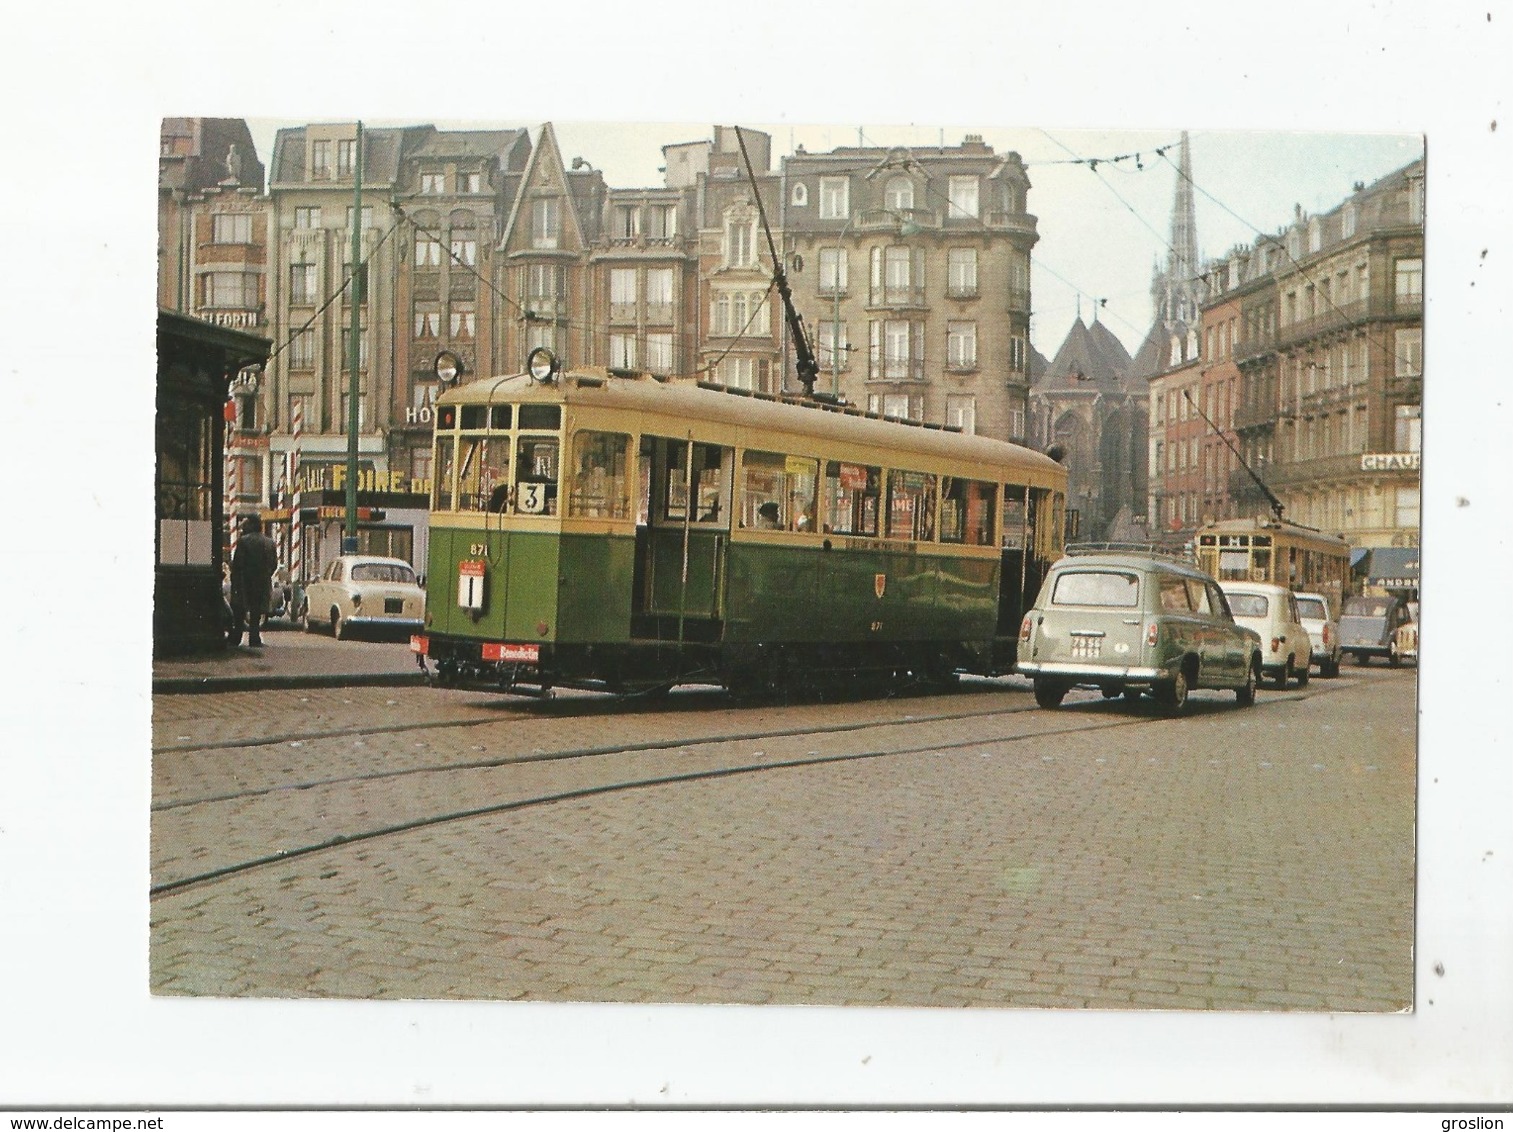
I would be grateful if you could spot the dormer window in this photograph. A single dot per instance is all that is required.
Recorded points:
(433, 184)
(899, 195)
(835, 198)
(800, 195)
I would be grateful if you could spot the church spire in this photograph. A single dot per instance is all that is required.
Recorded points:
(1175, 290)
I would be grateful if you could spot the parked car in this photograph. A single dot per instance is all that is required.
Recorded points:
(361, 589)
(1368, 627)
(1323, 632)
(1134, 624)
(1406, 638)
(1272, 611)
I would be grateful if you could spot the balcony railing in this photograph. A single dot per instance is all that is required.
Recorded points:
(1251, 414)
(896, 296)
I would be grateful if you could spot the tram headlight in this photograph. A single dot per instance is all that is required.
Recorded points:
(448, 367)
(542, 364)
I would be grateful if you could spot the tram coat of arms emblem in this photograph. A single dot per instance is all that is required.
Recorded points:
(879, 584)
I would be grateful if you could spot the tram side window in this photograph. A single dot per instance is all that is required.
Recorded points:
(911, 505)
(536, 474)
(483, 473)
(441, 495)
(600, 471)
(779, 491)
(851, 498)
(966, 511)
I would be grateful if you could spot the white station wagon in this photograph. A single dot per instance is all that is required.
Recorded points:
(359, 589)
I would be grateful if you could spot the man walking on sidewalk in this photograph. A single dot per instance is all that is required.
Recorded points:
(252, 567)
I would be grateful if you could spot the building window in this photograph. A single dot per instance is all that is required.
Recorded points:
(901, 406)
(736, 313)
(427, 321)
(1409, 275)
(433, 184)
(346, 412)
(963, 198)
(800, 195)
(1406, 511)
(961, 274)
(622, 286)
(231, 228)
(1408, 345)
(740, 240)
(832, 271)
(829, 334)
(1347, 222)
(307, 217)
(546, 222)
(302, 350)
(346, 347)
(1018, 353)
(745, 373)
(320, 161)
(622, 351)
(427, 249)
(659, 282)
(659, 352)
(627, 222)
(1407, 435)
(899, 194)
(661, 221)
(961, 345)
(465, 247)
(835, 198)
(961, 412)
(302, 283)
(897, 275)
(346, 157)
(470, 182)
(896, 351)
(464, 321)
(231, 289)
(1315, 235)
(367, 217)
(546, 283)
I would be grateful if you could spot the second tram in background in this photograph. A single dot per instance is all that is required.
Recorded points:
(1276, 551)
(616, 532)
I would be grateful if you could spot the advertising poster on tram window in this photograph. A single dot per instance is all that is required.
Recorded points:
(603, 781)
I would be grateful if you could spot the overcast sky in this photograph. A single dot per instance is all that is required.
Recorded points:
(1102, 228)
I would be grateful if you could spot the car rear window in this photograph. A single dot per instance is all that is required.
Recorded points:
(1312, 608)
(1097, 587)
(382, 572)
(1366, 607)
(1248, 605)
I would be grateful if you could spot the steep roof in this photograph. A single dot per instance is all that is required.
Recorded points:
(1091, 359)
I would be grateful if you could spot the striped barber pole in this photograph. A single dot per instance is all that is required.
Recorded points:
(232, 477)
(296, 528)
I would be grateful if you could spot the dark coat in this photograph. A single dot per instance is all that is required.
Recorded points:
(252, 567)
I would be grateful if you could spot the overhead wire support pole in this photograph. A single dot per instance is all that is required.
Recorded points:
(805, 365)
(1276, 504)
(355, 297)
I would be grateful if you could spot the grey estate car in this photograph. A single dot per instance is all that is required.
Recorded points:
(1132, 624)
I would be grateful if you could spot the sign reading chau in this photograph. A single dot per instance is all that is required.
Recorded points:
(1389, 461)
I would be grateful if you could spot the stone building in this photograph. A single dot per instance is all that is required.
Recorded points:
(911, 267)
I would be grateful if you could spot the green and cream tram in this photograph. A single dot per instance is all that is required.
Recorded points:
(1301, 558)
(601, 530)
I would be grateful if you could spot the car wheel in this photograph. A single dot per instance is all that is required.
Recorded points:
(1133, 694)
(1330, 668)
(1111, 693)
(1246, 694)
(1173, 695)
(1363, 658)
(1392, 655)
(1285, 674)
(1049, 693)
(338, 626)
(1303, 673)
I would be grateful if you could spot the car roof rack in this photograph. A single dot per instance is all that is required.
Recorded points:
(1073, 549)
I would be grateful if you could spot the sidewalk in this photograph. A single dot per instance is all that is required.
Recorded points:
(290, 658)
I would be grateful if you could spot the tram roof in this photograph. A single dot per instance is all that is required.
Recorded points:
(1260, 525)
(641, 393)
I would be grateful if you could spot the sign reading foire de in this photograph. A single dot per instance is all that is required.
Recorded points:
(1389, 461)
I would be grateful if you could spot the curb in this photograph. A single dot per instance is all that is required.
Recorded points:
(184, 685)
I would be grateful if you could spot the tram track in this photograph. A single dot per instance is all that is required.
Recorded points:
(626, 785)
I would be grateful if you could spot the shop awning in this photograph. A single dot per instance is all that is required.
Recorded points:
(1393, 567)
